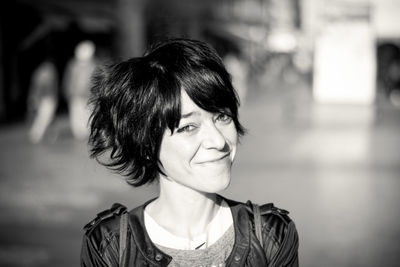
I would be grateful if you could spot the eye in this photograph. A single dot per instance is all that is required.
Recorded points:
(223, 117)
(186, 129)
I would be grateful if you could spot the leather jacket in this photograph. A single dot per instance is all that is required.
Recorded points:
(280, 248)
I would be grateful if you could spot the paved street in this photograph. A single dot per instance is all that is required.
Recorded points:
(335, 168)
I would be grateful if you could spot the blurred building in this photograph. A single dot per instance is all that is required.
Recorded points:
(363, 39)
(271, 36)
(123, 28)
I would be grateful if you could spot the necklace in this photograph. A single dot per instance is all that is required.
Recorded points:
(198, 247)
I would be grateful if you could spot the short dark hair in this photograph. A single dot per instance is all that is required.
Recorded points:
(136, 100)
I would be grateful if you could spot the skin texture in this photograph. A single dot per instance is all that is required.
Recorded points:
(197, 159)
(200, 152)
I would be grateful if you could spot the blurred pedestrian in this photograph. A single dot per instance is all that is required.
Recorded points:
(171, 116)
(76, 86)
(42, 98)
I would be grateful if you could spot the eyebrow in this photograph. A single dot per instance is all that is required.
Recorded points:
(189, 114)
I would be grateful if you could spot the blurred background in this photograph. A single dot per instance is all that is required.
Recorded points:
(319, 83)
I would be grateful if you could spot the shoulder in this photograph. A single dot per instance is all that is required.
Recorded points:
(270, 214)
(275, 220)
(280, 238)
(101, 238)
(276, 225)
(105, 226)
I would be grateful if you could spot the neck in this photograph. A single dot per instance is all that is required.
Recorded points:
(181, 210)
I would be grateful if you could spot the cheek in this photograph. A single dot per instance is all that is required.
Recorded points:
(231, 135)
(232, 138)
(233, 151)
(176, 155)
(169, 155)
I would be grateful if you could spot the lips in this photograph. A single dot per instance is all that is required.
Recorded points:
(215, 160)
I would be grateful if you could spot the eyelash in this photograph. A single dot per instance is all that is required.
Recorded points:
(222, 117)
(186, 128)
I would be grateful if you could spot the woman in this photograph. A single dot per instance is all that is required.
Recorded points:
(171, 117)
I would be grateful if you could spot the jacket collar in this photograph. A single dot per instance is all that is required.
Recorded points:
(142, 239)
(158, 258)
(242, 233)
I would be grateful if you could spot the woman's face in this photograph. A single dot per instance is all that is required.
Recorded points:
(200, 152)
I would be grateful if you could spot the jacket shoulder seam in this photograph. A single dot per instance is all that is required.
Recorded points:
(103, 217)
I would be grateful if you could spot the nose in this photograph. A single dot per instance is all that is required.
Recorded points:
(213, 138)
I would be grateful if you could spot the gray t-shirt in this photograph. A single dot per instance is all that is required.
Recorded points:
(214, 255)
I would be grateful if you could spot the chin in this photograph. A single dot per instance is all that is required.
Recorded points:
(220, 183)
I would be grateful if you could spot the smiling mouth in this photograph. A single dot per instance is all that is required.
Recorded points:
(217, 159)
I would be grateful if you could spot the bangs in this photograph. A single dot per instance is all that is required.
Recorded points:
(211, 92)
(201, 73)
(204, 87)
